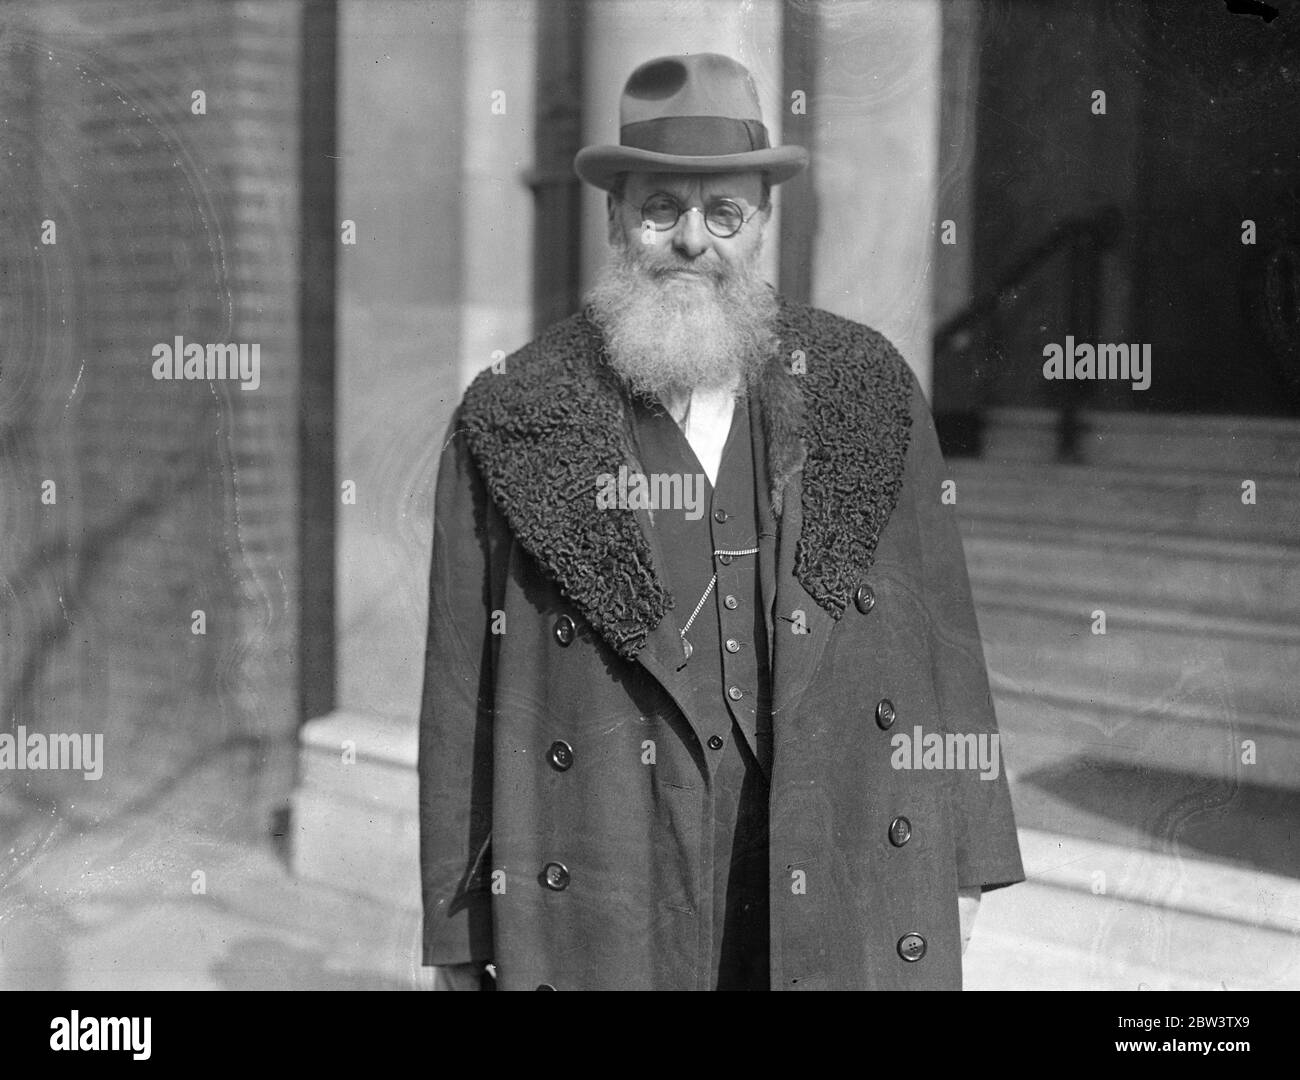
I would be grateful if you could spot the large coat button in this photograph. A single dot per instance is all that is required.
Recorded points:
(911, 947)
(545, 986)
(556, 876)
(864, 598)
(560, 755)
(565, 630)
(885, 714)
(900, 831)
(715, 742)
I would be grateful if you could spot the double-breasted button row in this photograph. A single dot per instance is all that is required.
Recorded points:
(555, 875)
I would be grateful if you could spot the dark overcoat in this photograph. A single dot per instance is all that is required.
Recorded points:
(550, 624)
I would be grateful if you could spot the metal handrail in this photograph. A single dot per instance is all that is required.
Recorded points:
(1085, 237)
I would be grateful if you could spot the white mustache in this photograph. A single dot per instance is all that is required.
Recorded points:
(684, 271)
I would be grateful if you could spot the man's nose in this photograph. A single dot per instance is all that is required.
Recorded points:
(691, 238)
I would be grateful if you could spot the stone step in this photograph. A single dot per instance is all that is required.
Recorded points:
(1095, 915)
(1147, 658)
(1124, 502)
(1150, 440)
(362, 757)
(1098, 569)
(1184, 733)
(355, 812)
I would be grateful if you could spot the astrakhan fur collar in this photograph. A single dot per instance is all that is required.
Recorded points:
(546, 427)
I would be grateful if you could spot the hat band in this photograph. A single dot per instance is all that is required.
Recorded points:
(695, 136)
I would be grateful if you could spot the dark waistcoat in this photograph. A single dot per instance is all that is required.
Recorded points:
(710, 541)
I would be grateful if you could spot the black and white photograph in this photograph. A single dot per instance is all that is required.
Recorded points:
(650, 495)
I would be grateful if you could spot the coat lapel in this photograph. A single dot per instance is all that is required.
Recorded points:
(543, 433)
(835, 430)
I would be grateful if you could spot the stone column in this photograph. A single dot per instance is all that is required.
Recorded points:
(497, 122)
(876, 115)
(399, 372)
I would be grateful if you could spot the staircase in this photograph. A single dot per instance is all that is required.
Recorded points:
(1155, 767)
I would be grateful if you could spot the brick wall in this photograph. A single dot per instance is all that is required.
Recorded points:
(174, 496)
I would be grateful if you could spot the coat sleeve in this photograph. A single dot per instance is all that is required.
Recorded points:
(988, 853)
(455, 746)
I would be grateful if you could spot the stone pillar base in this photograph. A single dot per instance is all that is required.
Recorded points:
(355, 825)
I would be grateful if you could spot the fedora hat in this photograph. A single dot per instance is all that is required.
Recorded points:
(696, 113)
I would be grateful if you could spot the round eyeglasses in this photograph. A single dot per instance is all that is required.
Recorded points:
(722, 217)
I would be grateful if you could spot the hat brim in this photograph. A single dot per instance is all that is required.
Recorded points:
(600, 165)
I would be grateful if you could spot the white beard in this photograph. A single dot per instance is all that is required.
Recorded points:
(668, 334)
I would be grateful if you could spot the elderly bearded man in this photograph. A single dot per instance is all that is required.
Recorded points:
(666, 741)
